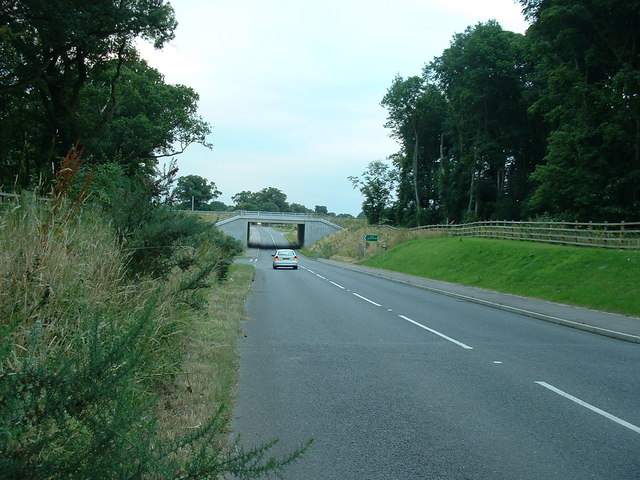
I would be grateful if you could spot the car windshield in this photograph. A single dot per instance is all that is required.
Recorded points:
(286, 253)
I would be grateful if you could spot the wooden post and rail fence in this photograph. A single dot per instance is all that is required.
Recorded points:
(623, 235)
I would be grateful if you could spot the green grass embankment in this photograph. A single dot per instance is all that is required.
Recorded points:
(597, 278)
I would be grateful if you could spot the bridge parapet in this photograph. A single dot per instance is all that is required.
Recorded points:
(271, 215)
(311, 228)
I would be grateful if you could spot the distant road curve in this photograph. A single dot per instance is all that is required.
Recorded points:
(266, 237)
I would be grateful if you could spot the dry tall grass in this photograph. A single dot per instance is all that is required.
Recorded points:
(208, 372)
(105, 375)
(349, 246)
(57, 271)
(83, 346)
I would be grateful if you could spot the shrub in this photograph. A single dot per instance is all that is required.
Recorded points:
(76, 342)
(84, 349)
(158, 238)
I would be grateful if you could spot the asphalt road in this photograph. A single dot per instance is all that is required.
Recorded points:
(394, 382)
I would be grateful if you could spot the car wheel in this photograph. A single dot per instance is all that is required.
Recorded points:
(295, 268)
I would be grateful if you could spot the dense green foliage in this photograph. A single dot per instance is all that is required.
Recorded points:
(588, 73)
(194, 192)
(268, 199)
(510, 126)
(271, 199)
(376, 185)
(90, 339)
(597, 278)
(70, 74)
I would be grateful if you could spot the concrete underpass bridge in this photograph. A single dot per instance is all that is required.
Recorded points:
(310, 228)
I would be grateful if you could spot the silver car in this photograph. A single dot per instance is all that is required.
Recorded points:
(285, 258)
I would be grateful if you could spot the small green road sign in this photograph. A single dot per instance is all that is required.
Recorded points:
(371, 238)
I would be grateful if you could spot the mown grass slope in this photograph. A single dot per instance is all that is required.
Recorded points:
(597, 278)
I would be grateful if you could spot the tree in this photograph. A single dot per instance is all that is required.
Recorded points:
(321, 209)
(403, 103)
(298, 208)
(268, 199)
(588, 75)
(271, 199)
(148, 120)
(376, 185)
(51, 52)
(218, 206)
(481, 77)
(245, 200)
(417, 113)
(195, 191)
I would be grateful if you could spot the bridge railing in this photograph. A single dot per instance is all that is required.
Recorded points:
(257, 213)
(249, 213)
(273, 217)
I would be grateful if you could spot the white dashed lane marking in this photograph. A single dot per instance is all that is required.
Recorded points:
(584, 404)
(435, 332)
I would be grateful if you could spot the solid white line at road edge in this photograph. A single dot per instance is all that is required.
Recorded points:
(624, 423)
(460, 344)
(367, 300)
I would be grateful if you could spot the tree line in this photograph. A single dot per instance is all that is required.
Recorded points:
(505, 126)
(81, 112)
(72, 76)
(193, 192)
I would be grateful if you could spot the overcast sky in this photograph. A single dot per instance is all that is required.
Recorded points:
(292, 88)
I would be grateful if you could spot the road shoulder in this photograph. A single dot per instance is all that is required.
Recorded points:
(611, 325)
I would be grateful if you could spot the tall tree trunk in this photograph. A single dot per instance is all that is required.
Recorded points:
(473, 181)
(636, 165)
(415, 175)
(473, 178)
